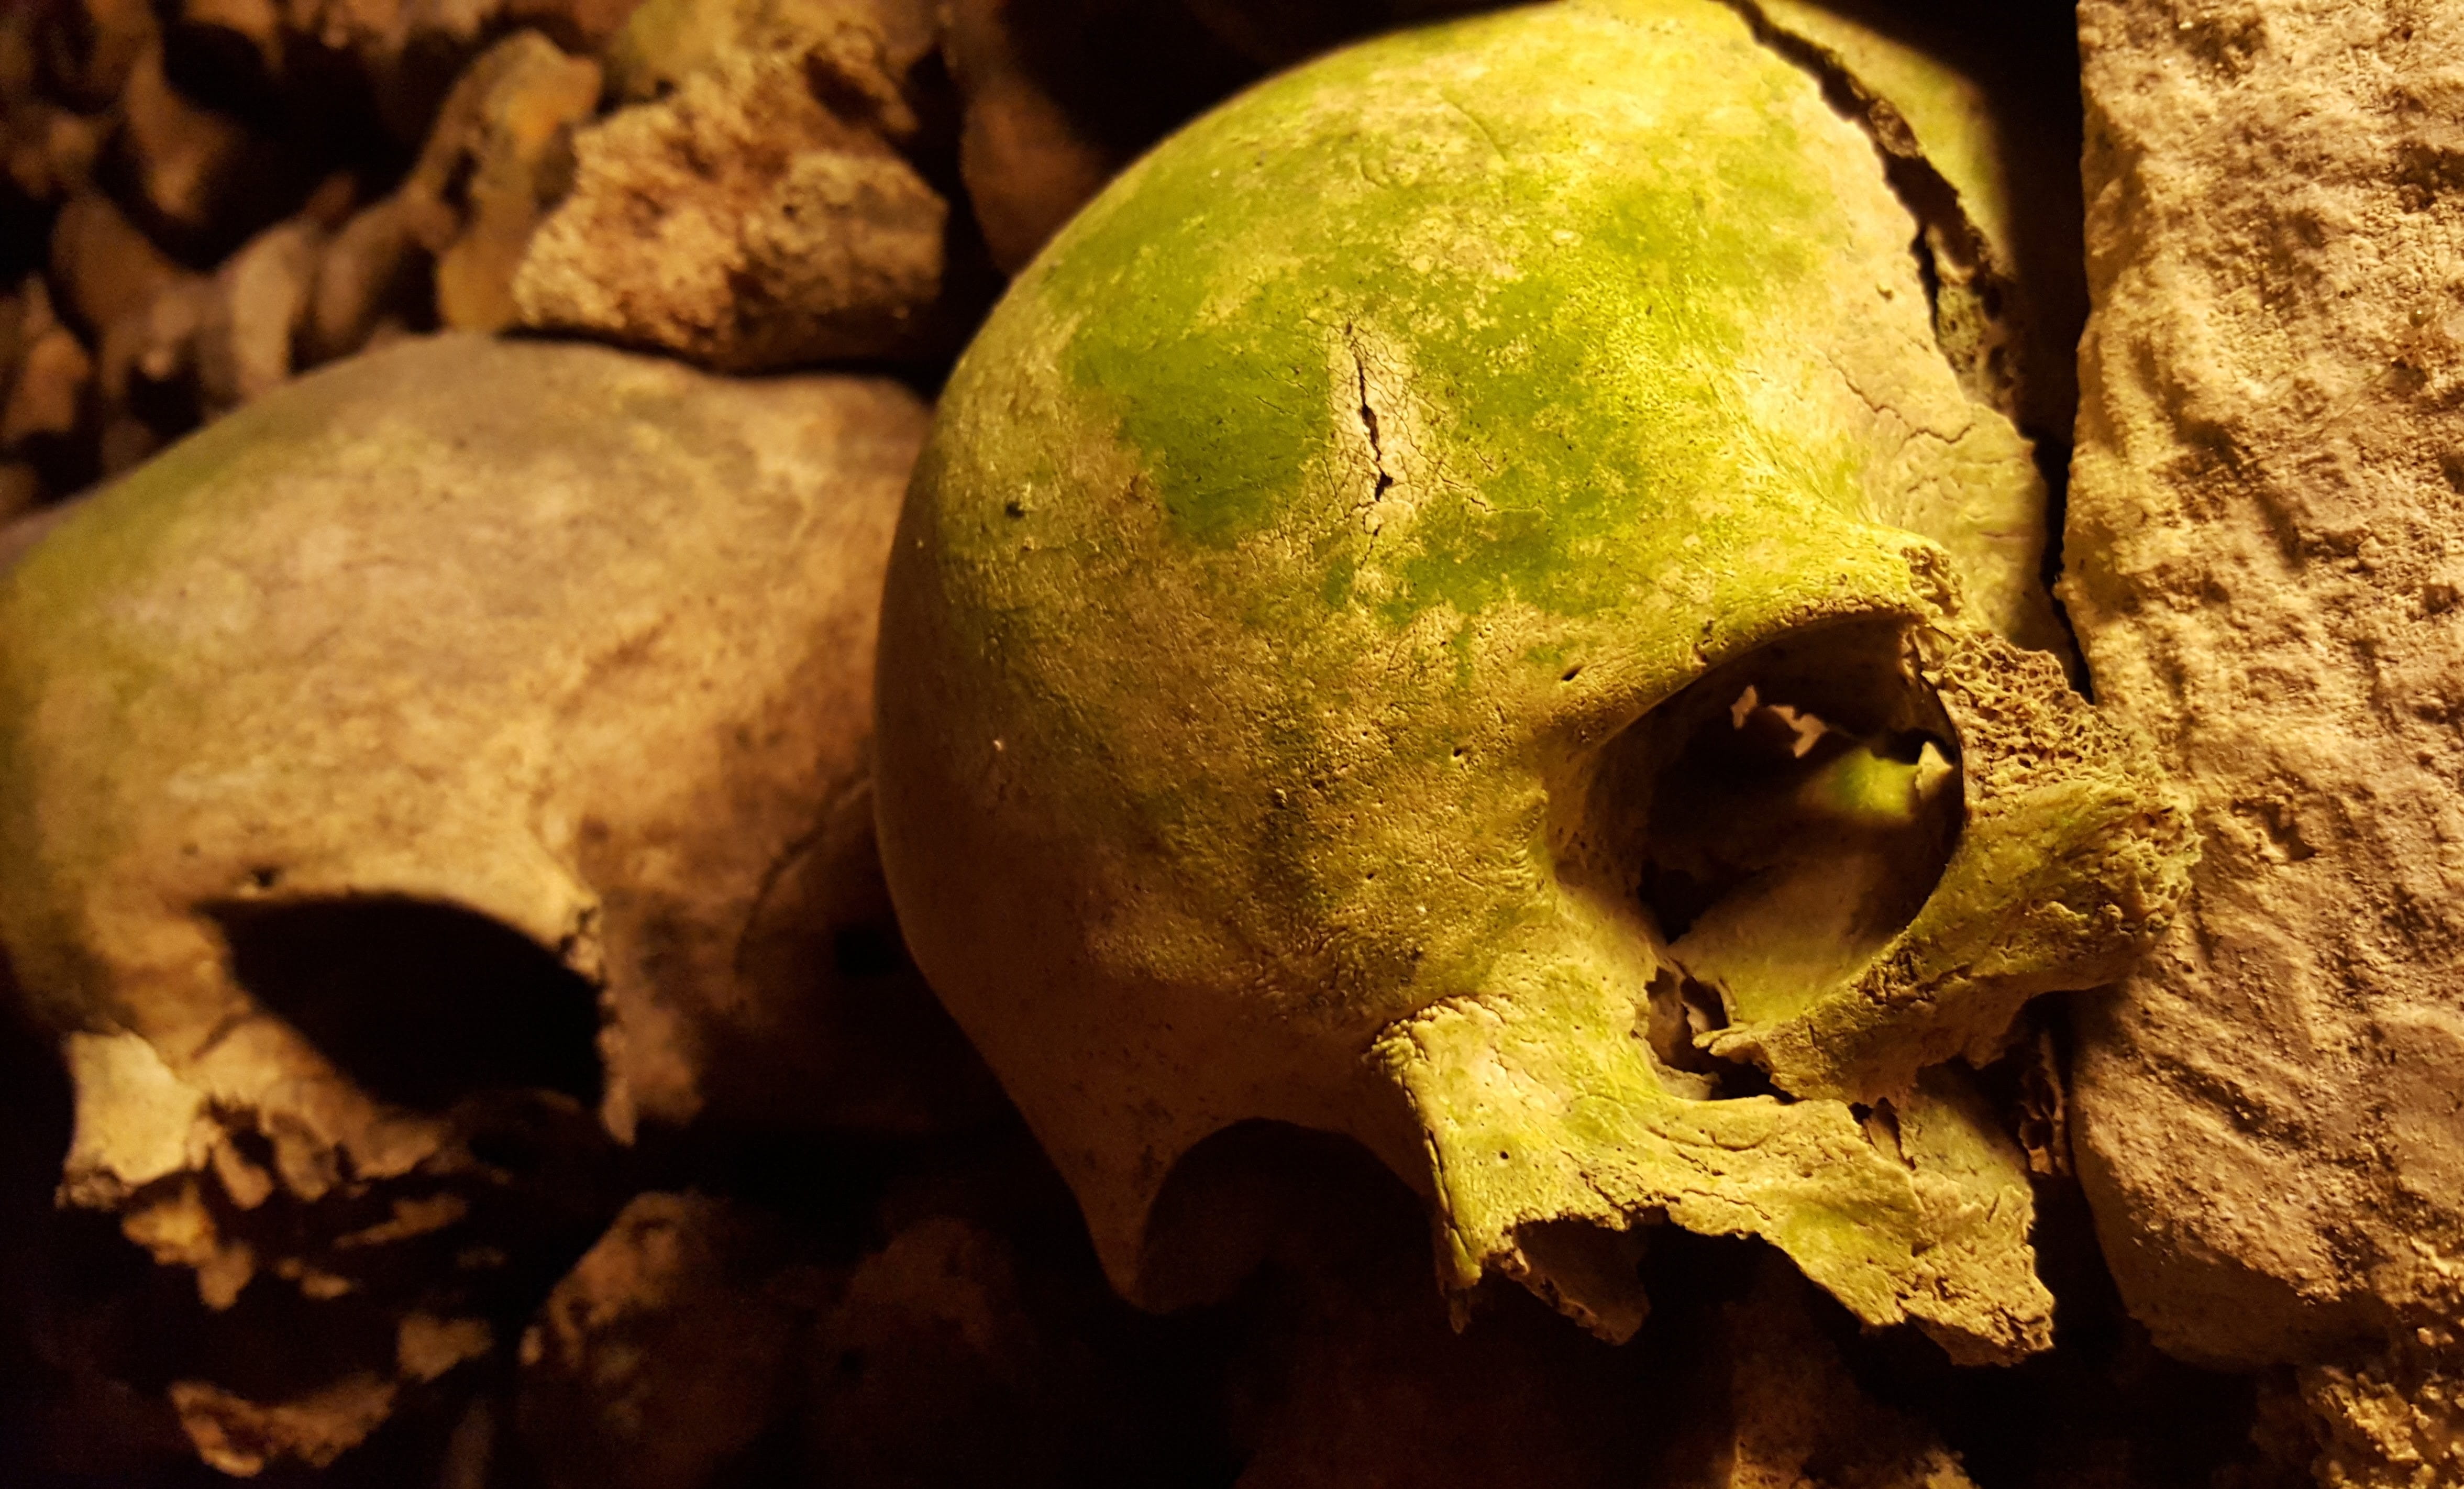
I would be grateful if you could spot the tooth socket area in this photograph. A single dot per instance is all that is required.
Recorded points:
(354, 1220)
(1552, 1131)
(288, 1329)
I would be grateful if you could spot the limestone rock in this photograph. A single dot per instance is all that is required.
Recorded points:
(2264, 572)
(868, 54)
(2392, 1422)
(742, 222)
(755, 207)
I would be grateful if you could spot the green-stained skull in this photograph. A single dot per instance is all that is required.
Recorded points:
(1464, 602)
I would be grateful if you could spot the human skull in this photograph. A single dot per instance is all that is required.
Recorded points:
(1461, 603)
(421, 779)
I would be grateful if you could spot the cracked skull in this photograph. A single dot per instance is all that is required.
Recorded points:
(414, 784)
(1471, 600)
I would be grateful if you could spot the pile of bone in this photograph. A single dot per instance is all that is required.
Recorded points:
(458, 1034)
(205, 199)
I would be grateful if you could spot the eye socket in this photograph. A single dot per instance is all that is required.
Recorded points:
(1787, 815)
(420, 1003)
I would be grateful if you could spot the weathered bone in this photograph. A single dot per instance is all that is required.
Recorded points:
(455, 742)
(1304, 545)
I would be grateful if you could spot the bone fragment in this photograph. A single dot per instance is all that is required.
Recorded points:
(137, 1121)
(666, 1351)
(757, 216)
(241, 1436)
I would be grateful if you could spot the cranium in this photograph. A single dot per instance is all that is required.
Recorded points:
(1461, 603)
(421, 779)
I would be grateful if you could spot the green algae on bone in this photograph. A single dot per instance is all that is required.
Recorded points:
(1309, 519)
(1533, 1118)
(1566, 406)
(1582, 320)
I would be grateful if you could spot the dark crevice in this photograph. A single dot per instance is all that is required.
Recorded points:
(2054, 464)
(1677, 1011)
(1369, 426)
(1943, 224)
(420, 1003)
(1930, 276)
(1981, 319)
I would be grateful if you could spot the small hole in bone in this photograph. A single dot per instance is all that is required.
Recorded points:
(420, 1003)
(1677, 1014)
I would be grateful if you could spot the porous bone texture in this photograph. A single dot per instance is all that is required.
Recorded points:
(2265, 550)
